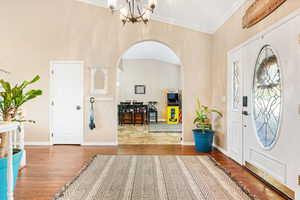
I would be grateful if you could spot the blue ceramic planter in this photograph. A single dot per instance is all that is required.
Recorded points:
(3, 172)
(203, 141)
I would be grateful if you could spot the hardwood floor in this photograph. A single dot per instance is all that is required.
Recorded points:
(49, 168)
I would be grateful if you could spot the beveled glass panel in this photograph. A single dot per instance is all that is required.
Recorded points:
(267, 96)
(236, 86)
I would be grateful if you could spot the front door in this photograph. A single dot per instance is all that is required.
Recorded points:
(66, 102)
(270, 119)
(269, 61)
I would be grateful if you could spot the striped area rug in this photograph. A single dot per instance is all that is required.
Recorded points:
(152, 178)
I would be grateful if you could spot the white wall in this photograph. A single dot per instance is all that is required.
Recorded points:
(156, 75)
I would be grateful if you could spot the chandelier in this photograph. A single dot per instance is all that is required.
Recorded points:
(133, 11)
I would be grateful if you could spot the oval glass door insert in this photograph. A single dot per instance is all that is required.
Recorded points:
(267, 97)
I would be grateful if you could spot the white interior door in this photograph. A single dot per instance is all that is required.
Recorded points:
(235, 120)
(66, 102)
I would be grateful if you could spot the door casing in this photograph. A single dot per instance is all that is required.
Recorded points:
(51, 88)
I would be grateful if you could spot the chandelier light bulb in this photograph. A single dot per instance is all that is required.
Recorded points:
(152, 4)
(124, 11)
(147, 14)
(112, 4)
(122, 17)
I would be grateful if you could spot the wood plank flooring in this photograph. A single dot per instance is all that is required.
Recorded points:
(49, 168)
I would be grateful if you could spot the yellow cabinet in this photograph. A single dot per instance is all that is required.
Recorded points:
(172, 114)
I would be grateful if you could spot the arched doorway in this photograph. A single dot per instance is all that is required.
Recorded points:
(149, 95)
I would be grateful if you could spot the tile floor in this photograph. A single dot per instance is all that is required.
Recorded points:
(138, 134)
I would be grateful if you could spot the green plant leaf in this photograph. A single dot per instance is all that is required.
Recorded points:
(14, 97)
(216, 111)
(203, 113)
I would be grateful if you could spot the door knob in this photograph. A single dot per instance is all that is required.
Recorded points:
(78, 107)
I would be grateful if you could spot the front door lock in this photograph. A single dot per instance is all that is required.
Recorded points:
(78, 107)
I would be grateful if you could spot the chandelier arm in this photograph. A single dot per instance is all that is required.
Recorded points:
(133, 6)
(129, 8)
(134, 12)
(140, 18)
(139, 10)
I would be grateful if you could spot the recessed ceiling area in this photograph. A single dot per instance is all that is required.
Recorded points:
(205, 16)
(151, 50)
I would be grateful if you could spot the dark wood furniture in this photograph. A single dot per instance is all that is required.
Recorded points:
(125, 114)
(135, 113)
(140, 114)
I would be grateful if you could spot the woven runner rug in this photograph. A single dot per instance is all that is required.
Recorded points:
(125, 177)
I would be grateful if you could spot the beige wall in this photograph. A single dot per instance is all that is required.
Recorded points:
(152, 74)
(34, 32)
(227, 37)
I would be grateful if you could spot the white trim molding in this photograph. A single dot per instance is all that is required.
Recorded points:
(38, 143)
(99, 144)
(228, 14)
(188, 143)
(220, 149)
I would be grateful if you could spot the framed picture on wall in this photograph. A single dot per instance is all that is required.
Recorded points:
(140, 89)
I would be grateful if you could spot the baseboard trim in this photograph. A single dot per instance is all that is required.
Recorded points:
(38, 143)
(221, 150)
(188, 143)
(84, 144)
(99, 144)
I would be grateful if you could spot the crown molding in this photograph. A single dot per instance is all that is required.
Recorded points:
(228, 14)
(194, 27)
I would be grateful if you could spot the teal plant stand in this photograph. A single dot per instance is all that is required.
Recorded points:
(203, 140)
(3, 172)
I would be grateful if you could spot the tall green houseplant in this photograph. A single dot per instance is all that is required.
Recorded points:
(204, 134)
(11, 100)
(203, 114)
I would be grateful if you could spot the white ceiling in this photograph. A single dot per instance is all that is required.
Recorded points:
(151, 50)
(201, 15)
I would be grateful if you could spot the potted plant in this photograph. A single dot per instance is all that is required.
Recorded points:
(11, 101)
(203, 134)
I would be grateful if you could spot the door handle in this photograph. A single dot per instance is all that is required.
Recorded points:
(78, 107)
(245, 113)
